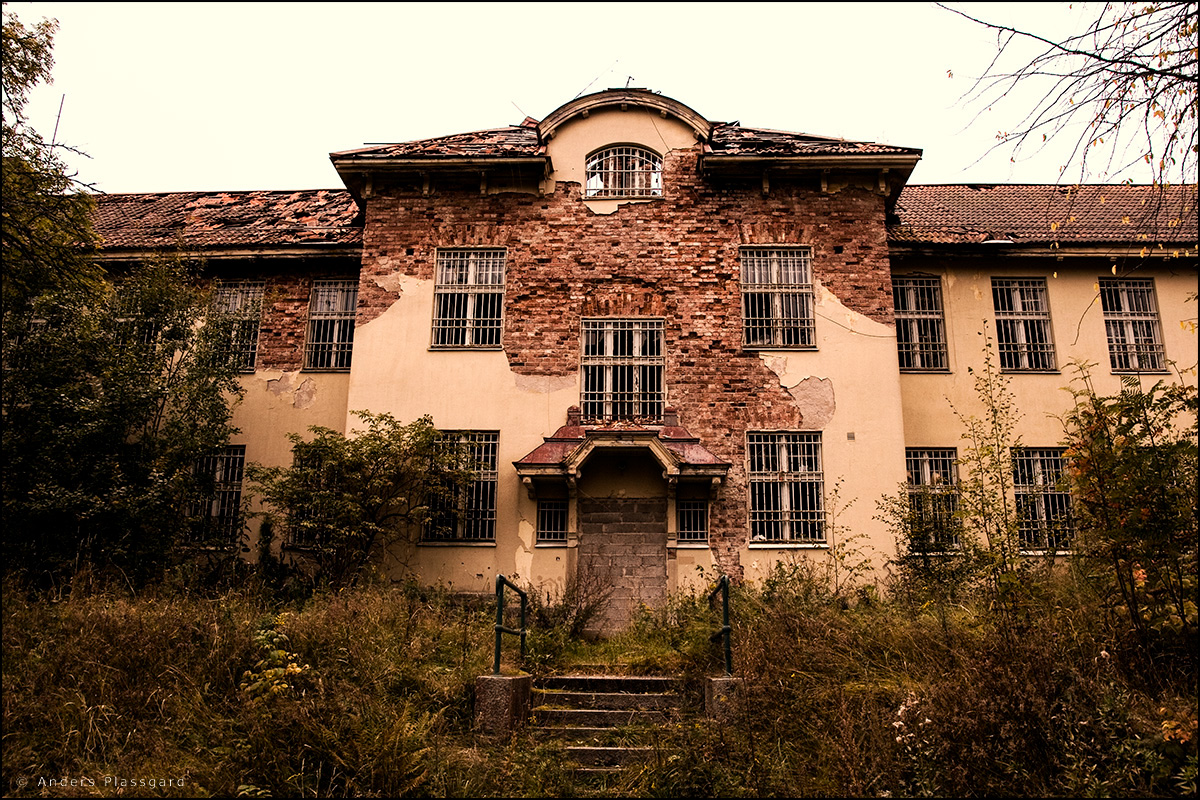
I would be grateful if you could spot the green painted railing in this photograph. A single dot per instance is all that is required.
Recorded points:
(725, 631)
(502, 582)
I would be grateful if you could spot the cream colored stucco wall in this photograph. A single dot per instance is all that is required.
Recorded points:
(464, 390)
(276, 403)
(848, 387)
(1078, 328)
(577, 138)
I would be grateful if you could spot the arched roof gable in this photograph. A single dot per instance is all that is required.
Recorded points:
(624, 99)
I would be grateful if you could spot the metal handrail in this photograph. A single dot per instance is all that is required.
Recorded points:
(501, 582)
(725, 630)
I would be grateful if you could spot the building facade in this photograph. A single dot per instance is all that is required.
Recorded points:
(676, 346)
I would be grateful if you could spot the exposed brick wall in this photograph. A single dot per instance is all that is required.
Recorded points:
(622, 543)
(285, 305)
(677, 258)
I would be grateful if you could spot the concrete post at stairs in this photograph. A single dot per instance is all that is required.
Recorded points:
(721, 698)
(502, 703)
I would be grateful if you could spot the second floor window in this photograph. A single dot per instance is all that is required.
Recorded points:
(1132, 327)
(623, 364)
(237, 307)
(469, 298)
(777, 297)
(1023, 325)
(1043, 503)
(331, 314)
(933, 499)
(920, 324)
(787, 486)
(624, 171)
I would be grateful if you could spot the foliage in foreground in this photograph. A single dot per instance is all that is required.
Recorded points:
(368, 691)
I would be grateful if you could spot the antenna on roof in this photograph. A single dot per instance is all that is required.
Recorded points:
(628, 81)
(54, 138)
(584, 89)
(518, 108)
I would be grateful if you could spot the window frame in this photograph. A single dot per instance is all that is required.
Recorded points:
(936, 470)
(239, 304)
(333, 349)
(691, 522)
(1027, 312)
(622, 165)
(1121, 326)
(607, 393)
(555, 511)
(920, 331)
(1043, 495)
(789, 323)
(470, 521)
(463, 315)
(218, 516)
(804, 525)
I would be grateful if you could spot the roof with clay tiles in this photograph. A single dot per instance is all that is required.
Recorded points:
(1034, 214)
(735, 140)
(227, 219)
(514, 141)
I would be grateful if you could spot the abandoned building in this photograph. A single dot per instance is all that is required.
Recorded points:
(677, 346)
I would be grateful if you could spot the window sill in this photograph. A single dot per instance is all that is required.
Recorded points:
(338, 371)
(553, 545)
(486, 348)
(689, 545)
(916, 371)
(1141, 372)
(1030, 372)
(786, 348)
(789, 546)
(458, 543)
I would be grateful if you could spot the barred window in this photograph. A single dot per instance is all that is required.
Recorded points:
(311, 525)
(1131, 322)
(692, 520)
(331, 325)
(920, 324)
(786, 487)
(552, 521)
(469, 298)
(218, 512)
(777, 297)
(469, 513)
(1023, 325)
(1043, 504)
(237, 308)
(134, 330)
(624, 171)
(623, 362)
(933, 499)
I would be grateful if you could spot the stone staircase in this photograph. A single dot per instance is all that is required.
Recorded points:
(604, 722)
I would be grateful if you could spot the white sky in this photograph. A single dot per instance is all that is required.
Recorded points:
(175, 97)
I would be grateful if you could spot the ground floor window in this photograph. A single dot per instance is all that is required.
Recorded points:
(786, 487)
(1043, 503)
(218, 515)
(468, 514)
(692, 520)
(552, 521)
(933, 499)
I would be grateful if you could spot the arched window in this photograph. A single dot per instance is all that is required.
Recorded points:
(624, 171)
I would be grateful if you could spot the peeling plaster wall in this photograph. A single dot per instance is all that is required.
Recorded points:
(677, 258)
(849, 391)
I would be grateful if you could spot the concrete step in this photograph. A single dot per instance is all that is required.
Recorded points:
(626, 684)
(595, 717)
(562, 698)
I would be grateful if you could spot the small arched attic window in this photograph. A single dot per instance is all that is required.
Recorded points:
(624, 171)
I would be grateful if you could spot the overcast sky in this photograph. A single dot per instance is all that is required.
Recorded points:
(174, 97)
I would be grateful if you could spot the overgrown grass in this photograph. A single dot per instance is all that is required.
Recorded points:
(370, 692)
